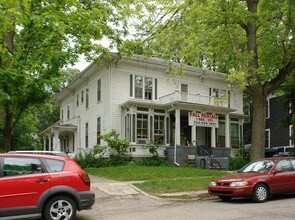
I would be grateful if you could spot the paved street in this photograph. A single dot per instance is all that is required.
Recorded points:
(126, 203)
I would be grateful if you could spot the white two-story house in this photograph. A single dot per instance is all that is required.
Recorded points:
(137, 98)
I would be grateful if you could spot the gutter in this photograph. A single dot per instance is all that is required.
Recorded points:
(175, 155)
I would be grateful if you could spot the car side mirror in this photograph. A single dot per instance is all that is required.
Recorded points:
(277, 170)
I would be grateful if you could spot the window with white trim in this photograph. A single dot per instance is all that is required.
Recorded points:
(138, 87)
(217, 93)
(98, 132)
(68, 111)
(62, 114)
(291, 135)
(234, 135)
(99, 90)
(143, 87)
(86, 135)
(87, 98)
(142, 128)
(159, 128)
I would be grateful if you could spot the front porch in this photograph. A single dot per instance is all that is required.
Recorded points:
(60, 137)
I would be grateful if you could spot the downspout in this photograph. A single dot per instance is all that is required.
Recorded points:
(110, 98)
(176, 139)
(175, 154)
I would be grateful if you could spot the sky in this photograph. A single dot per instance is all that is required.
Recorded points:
(81, 64)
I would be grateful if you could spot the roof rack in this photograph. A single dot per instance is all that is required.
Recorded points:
(56, 153)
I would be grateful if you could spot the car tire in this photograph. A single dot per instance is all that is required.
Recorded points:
(260, 193)
(225, 198)
(60, 207)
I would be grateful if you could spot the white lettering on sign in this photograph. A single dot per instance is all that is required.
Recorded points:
(202, 119)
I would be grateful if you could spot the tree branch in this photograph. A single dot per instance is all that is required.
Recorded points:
(281, 77)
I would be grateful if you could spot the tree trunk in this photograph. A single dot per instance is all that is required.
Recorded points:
(293, 125)
(258, 124)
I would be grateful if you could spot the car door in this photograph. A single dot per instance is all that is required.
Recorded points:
(292, 160)
(282, 181)
(22, 182)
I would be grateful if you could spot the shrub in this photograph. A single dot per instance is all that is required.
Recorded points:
(119, 146)
(153, 146)
(240, 159)
(118, 160)
(153, 161)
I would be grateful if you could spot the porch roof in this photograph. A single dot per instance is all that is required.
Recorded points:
(58, 127)
(179, 105)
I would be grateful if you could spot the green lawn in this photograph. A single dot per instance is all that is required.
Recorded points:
(158, 180)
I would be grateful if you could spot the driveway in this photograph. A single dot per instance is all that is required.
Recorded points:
(112, 197)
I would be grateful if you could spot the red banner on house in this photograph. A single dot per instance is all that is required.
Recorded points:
(203, 119)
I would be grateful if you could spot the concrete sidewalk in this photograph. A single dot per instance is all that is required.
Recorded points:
(122, 188)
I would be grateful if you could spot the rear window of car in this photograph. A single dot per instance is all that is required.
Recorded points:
(15, 166)
(53, 165)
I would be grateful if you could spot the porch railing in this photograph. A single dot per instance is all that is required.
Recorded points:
(193, 98)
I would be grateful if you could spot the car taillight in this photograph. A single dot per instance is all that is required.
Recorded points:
(85, 178)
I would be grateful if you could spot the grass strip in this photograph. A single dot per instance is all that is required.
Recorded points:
(133, 172)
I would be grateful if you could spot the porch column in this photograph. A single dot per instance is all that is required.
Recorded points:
(227, 133)
(76, 141)
(44, 143)
(56, 141)
(177, 126)
(194, 135)
(49, 143)
(213, 137)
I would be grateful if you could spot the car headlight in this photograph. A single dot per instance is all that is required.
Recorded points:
(238, 184)
(213, 184)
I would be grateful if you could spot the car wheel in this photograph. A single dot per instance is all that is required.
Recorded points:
(61, 207)
(225, 198)
(260, 193)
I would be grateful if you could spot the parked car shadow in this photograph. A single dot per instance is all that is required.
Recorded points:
(241, 200)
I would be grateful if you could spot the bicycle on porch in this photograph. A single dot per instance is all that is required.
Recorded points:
(208, 160)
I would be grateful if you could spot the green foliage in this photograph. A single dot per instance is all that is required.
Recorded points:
(240, 159)
(118, 152)
(38, 39)
(153, 161)
(89, 160)
(118, 160)
(119, 146)
(153, 146)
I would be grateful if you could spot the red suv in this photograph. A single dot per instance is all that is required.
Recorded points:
(42, 186)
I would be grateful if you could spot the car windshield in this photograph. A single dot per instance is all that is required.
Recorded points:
(260, 166)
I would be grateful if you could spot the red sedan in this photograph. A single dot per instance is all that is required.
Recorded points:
(259, 180)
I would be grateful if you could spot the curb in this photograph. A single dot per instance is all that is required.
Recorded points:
(179, 196)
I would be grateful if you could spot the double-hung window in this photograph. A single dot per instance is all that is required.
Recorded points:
(142, 128)
(159, 128)
(98, 90)
(86, 135)
(143, 87)
(87, 98)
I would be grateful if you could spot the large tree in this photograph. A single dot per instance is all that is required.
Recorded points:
(251, 40)
(38, 38)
